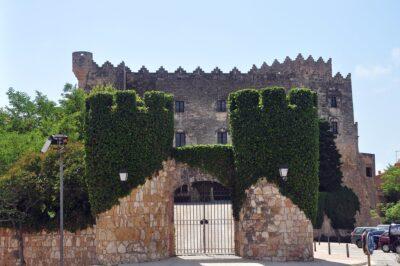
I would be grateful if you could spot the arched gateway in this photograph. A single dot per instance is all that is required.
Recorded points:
(176, 213)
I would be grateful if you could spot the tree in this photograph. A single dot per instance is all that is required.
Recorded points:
(25, 123)
(391, 184)
(330, 175)
(13, 145)
(30, 190)
(338, 202)
(392, 213)
(390, 208)
(21, 198)
(341, 206)
(73, 106)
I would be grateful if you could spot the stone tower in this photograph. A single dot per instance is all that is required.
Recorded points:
(201, 99)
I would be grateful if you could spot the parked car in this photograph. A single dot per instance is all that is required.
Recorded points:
(376, 235)
(394, 238)
(384, 242)
(384, 227)
(357, 233)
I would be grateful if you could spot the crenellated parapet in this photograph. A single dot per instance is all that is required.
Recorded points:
(90, 74)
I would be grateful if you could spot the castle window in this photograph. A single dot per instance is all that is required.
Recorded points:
(334, 127)
(222, 137)
(180, 139)
(333, 102)
(179, 106)
(368, 171)
(221, 106)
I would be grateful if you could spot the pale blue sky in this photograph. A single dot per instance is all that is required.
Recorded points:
(361, 37)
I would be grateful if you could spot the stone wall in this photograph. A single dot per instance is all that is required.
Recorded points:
(272, 228)
(141, 227)
(200, 91)
(43, 248)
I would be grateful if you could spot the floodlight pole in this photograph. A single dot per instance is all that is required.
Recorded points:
(60, 151)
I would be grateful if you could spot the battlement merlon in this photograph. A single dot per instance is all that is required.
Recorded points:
(84, 67)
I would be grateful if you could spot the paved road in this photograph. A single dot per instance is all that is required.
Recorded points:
(337, 257)
(338, 252)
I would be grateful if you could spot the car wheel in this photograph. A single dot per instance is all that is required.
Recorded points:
(359, 244)
(385, 248)
(397, 249)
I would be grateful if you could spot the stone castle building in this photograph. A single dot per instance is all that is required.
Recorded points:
(201, 105)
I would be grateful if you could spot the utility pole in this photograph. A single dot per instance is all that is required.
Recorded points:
(60, 140)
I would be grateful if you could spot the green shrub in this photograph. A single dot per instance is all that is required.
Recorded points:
(122, 134)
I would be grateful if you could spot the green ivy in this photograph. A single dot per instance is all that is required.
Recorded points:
(216, 160)
(124, 135)
(269, 129)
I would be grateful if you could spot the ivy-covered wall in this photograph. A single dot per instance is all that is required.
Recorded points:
(124, 135)
(270, 129)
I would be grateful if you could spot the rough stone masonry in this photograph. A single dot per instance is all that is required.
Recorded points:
(203, 118)
(141, 227)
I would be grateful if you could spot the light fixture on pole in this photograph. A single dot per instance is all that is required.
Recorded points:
(123, 175)
(283, 171)
(60, 140)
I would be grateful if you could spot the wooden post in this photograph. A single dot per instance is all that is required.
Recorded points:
(319, 238)
(347, 250)
(329, 246)
(315, 246)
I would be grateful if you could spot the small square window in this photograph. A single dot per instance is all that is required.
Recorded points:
(368, 171)
(333, 102)
(221, 106)
(334, 127)
(222, 138)
(179, 106)
(180, 139)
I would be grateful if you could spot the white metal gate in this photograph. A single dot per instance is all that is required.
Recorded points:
(203, 220)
